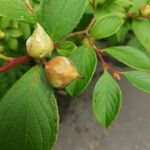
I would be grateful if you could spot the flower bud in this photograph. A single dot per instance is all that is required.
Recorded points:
(2, 34)
(39, 45)
(145, 10)
(60, 71)
(1, 48)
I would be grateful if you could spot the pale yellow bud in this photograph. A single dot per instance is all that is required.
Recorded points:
(2, 34)
(145, 10)
(1, 48)
(60, 71)
(39, 45)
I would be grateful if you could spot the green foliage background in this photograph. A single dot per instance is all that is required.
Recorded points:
(85, 31)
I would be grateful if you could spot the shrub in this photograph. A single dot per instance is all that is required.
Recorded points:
(70, 39)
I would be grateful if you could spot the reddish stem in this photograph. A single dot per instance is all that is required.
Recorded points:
(14, 62)
(106, 66)
(103, 63)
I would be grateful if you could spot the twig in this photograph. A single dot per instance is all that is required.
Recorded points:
(29, 6)
(5, 58)
(98, 53)
(130, 15)
(90, 25)
(72, 35)
(106, 66)
(86, 32)
(14, 62)
(94, 5)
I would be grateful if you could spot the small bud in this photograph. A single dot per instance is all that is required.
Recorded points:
(2, 34)
(88, 42)
(39, 45)
(117, 76)
(60, 71)
(1, 48)
(145, 10)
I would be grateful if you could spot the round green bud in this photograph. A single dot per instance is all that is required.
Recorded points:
(2, 34)
(39, 45)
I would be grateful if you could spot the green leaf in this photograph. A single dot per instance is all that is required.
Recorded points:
(106, 26)
(134, 42)
(25, 29)
(100, 1)
(131, 56)
(66, 48)
(60, 17)
(4, 22)
(7, 79)
(141, 80)
(15, 9)
(111, 7)
(121, 33)
(29, 114)
(14, 32)
(141, 29)
(136, 5)
(13, 43)
(107, 98)
(85, 60)
(124, 3)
